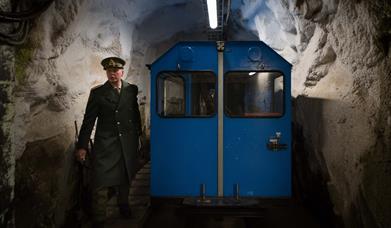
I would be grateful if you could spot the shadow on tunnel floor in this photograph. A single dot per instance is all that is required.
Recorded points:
(175, 216)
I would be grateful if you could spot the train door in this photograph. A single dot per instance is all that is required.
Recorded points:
(184, 122)
(256, 111)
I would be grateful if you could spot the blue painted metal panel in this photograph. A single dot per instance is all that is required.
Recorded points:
(183, 150)
(247, 161)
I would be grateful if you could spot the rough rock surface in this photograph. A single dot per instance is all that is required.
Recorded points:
(7, 157)
(55, 70)
(340, 82)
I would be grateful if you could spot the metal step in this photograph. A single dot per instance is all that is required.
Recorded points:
(220, 202)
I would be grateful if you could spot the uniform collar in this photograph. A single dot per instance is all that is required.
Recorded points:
(120, 86)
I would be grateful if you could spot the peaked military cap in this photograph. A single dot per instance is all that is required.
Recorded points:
(113, 62)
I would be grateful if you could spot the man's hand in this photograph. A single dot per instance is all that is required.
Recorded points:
(80, 154)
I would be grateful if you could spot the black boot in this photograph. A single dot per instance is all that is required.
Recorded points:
(125, 211)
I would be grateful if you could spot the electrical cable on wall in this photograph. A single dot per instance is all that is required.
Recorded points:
(23, 18)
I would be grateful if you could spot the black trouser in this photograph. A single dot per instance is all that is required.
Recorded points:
(102, 195)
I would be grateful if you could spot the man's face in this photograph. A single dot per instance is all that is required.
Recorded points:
(114, 74)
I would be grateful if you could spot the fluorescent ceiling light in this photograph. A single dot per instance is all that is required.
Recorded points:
(212, 12)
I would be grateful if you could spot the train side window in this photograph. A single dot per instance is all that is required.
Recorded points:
(171, 95)
(186, 94)
(202, 89)
(254, 94)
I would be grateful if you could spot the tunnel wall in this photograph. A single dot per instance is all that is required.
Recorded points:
(340, 52)
(7, 157)
(341, 83)
(55, 69)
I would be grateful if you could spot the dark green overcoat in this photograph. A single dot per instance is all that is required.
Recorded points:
(114, 156)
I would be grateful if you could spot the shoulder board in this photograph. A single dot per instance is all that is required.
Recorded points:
(96, 87)
(130, 85)
(134, 87)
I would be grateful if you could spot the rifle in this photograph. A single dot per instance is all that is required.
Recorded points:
(84, 184)
(81, 208)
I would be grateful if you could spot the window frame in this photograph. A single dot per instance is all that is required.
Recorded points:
(212, 73)
(255, 117)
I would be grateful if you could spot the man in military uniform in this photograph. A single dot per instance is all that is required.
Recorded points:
(114, 158)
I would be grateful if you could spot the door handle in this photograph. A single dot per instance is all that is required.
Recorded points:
(275, 144)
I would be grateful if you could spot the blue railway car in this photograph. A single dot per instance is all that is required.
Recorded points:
(221, 121)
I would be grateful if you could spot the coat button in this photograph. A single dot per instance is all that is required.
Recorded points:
(120, 134)
(116, 111)
(118, 123)
(130, 121)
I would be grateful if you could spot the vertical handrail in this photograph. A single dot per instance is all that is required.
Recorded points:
(220, 153)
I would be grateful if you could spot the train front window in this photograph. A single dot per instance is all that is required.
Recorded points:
(186, 94)
(254, 94)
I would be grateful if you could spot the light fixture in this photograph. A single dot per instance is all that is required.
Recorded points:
(251, 73)
(212, 13)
